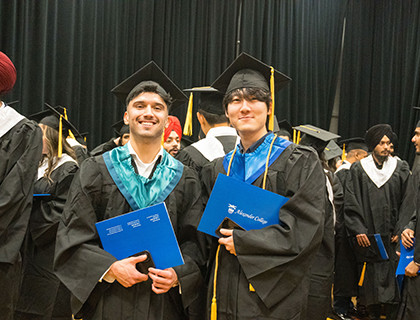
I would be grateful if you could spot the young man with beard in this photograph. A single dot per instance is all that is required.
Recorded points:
(373, 197)
(172, 136)
(262, 274)
(127, 178)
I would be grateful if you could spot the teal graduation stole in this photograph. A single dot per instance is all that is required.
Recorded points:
(139, 191)
(248, 167)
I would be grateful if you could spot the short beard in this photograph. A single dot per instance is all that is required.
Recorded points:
(380, 158)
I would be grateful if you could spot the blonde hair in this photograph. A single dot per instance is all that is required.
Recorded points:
(51, 140)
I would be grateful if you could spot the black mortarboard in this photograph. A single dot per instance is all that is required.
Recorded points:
(82, 138)
(211, 100)
(353, 144)
(121, 128)
(315, 137)
(51, 118)
(285, 129)
(249, 72)
(332, 150)
(150, 72)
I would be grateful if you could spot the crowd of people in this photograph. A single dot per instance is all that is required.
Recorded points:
(334, 251)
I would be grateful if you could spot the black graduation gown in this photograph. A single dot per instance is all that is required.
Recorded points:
(410, 300)
(42, 295)
(369, 210)
(82, 153)
(408, 206)
(192, 157)
(20, 152)
(321, 273)
(80, 260)
(275, 259)
(104, 147)
(346, 271)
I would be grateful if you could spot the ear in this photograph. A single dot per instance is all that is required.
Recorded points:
(126, 119)
(270, 108)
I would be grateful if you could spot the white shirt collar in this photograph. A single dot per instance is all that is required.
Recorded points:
(221, 131)
(143, 169)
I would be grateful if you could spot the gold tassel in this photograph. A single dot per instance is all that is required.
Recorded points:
(343, 156)
(60, 137)
(298, 138)
(188, 118)
(294, 136)
(362, 275)
(271, 118)
(213, 314)
(65, 117)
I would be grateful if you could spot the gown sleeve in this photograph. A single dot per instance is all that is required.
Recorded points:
(79, 260)
(20, 153)
(276, 259)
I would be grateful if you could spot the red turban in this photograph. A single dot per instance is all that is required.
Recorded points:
(172, 124)
(7, 74)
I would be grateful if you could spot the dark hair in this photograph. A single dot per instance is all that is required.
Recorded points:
(246, 93)
(149, 86)
(213, 119)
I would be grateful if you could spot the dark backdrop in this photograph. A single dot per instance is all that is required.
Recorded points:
(381, 65)
(73, 53)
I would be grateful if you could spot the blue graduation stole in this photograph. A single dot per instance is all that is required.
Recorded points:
(248, 167)
(139, 191)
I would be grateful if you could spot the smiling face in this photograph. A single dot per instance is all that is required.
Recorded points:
(146, 115)
(172, 144)
(248, 115)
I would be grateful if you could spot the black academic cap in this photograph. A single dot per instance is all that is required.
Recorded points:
(211, 99)
(82, 138)
(285, 128)
(150, 72)
(51, 118)
(332, 150)
(315, 137)
(353, 144)
(121, 128)
(249, 72)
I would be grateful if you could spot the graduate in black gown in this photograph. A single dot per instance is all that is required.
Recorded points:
(346, 275)
(20, 152)
(264, 274)
(410, 300)
(321, 272)
(220, 137)
(134, 176)
(373, 198)
(42, 295)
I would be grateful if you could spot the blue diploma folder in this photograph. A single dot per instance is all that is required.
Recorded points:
(407, 255)
(249, 206)
(145, 229)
